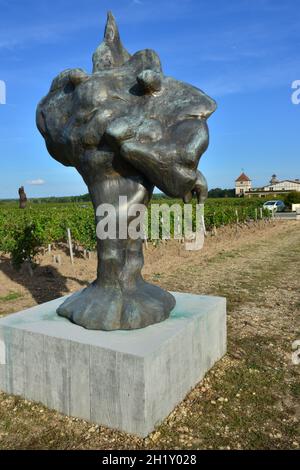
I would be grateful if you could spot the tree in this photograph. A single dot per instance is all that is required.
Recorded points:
(218, 192)
(292, 198)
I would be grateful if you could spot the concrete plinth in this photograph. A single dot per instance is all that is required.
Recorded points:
(129, 380)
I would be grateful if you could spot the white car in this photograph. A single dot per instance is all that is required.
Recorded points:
(274, 206)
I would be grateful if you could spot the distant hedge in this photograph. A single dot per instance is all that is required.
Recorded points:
(292, 198)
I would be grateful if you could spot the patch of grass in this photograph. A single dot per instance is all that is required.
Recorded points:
(224, 255)
(295, 390)
(156, 276)
(11, 296)
(243, 405)
(252, 281)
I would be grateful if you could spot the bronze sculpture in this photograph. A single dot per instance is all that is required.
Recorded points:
(126, 128)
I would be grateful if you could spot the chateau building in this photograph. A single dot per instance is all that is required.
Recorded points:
(243, 187)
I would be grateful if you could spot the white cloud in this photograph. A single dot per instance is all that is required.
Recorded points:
(37, 182)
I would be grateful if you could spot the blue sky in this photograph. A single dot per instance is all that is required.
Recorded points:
(243, 53)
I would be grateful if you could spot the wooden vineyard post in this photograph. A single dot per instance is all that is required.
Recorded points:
(164, 241)
(237, 216)
(29, 267)
(237, 220)
(70, 245)
(57, 259)
(178, 229)
(146, 242)
(203, 225)
(214, 223)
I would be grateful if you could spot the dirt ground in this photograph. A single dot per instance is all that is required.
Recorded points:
(249, 400)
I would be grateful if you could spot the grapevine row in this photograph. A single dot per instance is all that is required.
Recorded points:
(24, 232)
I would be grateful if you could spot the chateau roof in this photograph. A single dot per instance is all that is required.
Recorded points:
(243, 177)
(284, 181)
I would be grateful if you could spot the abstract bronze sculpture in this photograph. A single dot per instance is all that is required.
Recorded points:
(126, 128)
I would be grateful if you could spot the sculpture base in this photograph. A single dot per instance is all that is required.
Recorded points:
(129, 380)
(108, 309)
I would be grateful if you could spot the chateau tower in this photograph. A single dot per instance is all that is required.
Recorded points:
(243, 184)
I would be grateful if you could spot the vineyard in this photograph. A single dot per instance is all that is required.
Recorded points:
(24, 232)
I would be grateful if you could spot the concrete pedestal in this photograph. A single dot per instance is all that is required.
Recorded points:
(129, 380)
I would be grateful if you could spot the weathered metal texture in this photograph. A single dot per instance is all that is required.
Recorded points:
(126, 128)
